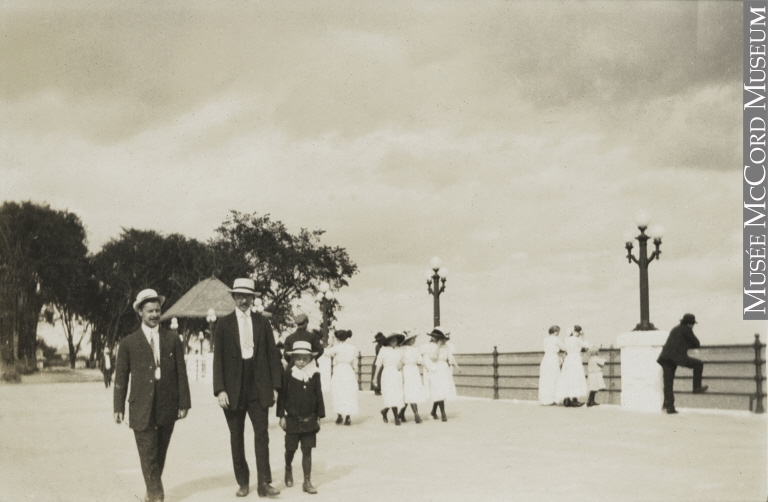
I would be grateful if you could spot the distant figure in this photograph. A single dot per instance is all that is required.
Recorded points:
(107, 367)
(549, 369)
(413, 387)
(439, 360)
(246, 372)
(300, 407)
(380, 341)
(390, 358)
(595, 382)
(304, 335)
(153, 358)
(674, 354)
(344, 379)
(572, 384)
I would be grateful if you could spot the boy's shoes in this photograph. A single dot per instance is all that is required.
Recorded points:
(266, 490)
(701, 389)
(347, 421)
(288, 476)
(242, 491)
(308, 486)
(339, 420)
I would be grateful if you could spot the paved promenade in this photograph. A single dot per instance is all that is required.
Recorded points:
(58, 443)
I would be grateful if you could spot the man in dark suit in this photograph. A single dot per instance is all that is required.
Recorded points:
(674, 354)
(303, 335)
(246, 373)
(154, 360)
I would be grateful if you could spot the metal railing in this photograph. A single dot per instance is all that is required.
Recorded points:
(733, 372)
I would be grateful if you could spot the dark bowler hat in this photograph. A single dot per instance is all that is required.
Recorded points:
(688, 319)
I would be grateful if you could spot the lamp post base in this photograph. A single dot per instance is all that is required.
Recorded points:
(642, 386)
(645, 326)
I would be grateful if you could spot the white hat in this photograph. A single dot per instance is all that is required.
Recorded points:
(146, 295)
(244, 286)
(301, 347)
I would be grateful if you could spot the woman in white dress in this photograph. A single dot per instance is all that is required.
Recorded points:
(413, 387)
(549, 370)
(440, 362)
(391, 380)
(343, 357)
(572, 384)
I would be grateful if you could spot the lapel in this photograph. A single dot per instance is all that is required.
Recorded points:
(255, 336)
(234, 330)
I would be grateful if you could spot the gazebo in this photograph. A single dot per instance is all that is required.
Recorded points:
(207, 294)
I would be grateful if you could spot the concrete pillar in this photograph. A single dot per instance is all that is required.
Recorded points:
(642, 385)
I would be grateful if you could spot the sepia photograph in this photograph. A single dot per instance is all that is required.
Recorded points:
(449, 250)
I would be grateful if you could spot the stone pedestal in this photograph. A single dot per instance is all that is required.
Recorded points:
(642, 385)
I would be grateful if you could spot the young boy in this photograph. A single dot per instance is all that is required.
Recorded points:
(300, 407)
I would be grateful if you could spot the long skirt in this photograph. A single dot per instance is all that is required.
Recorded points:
(441, 386)
(344, 390)
(572, 382)
(392, 387)
(413, 388)
(595, 381)
(549, 371)
(324, 366)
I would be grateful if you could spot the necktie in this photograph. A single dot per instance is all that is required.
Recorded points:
(154, 355)
(246, 334)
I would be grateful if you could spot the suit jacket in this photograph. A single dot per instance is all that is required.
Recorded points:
(301, 403)
(227, 361)
(135, 359)
(680, 339)
(303, 335)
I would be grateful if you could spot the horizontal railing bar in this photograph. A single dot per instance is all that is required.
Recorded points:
(746, 379)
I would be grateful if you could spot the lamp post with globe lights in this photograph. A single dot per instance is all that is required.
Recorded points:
(325, 298)
(641, 220)
(436, 284)
(211, 318)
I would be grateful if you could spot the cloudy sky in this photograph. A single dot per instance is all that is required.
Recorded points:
(515, 140)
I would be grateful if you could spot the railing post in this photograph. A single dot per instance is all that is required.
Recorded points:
(495, 373)
(758, 376)
(610, 374)
(359, 371)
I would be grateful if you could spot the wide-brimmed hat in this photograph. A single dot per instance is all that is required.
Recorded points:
(400, 337)
(146, 295)
(301, 347)
(301, 318)
(379, 337)
(688, 319)
(343, 334)
(245, 287)
(438, 332)
(409, 338)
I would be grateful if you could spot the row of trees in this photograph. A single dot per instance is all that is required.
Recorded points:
(46, 273)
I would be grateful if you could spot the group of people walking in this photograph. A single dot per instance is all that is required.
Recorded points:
(396, 374)
(562, 380)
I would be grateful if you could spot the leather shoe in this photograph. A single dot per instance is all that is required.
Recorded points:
(267, 490)
(671, 410)
(701, 389)
(288, 476)
(347, 421)
(307, 487)
(339, 420)
(243, 491)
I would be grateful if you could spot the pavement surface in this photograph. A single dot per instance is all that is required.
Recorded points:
(58, 443)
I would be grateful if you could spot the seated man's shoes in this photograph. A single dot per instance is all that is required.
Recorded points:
(699, 390)
(243, 491)
(288, 476)
(267, 490)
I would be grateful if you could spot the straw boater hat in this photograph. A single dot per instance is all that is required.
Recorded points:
(301, 347)
(145, 296)
(438, 332)
(245, 287)
(397, 335)
(343, 334)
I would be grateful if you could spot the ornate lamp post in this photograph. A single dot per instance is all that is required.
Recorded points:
(325, 299)
(641, 220)
(211, 318)
(201, 337)
(436, 284)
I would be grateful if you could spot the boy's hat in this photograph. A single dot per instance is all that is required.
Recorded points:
(301, 347)
(145, 296)
(438, 333)
(400, 337)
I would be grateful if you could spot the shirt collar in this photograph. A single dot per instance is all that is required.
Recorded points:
(149, 331)
(242, 315)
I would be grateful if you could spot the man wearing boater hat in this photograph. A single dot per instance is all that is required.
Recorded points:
(246, 372)
(674, 354)
(153, 358)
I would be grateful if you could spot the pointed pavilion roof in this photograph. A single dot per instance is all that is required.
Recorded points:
(207, 294)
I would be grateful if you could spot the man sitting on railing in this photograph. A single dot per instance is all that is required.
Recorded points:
(674, 354)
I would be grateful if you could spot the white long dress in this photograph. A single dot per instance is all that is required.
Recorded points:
(572, 383)
(344, 379)
(549, 369)
(391, 376)
(413, 387)
(437, 360)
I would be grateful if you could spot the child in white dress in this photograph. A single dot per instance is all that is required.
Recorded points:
(440, 362)
(391, 380)
(549, 369)
(413, 387)
(344, 378)
(595, 381)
